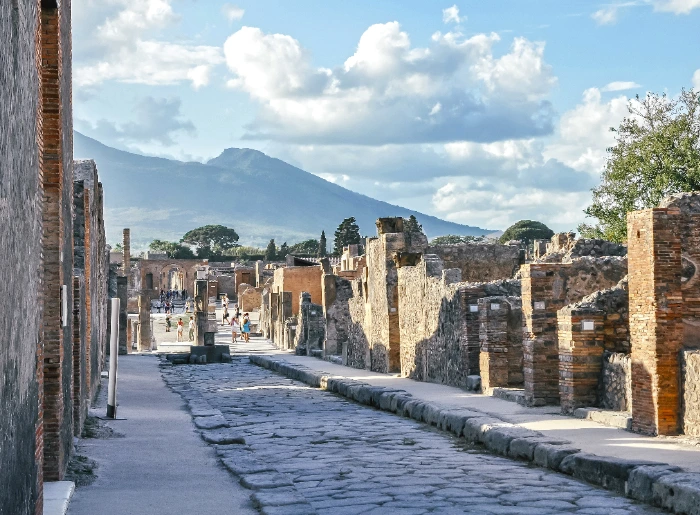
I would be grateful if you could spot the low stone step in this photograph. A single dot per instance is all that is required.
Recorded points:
(510, 394)
(620, 419)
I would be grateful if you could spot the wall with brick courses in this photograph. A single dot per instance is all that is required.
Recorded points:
(480, 262)
(546, 288)
(20, 193)
(80, 389)
(501, 337)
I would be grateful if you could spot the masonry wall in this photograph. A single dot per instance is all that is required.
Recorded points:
(501, 337)
(546, 288)
(20, 192)
(311, 328)
(480, 262)
(337, 292)
(298, 279)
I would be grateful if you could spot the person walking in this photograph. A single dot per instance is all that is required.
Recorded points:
(180, 329)
(191, 334)
(246, 328)
(168, 323)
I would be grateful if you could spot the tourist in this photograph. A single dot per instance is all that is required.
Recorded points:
(159, 305)
(180, 329)
(235, 329)
(246, 328)
(224, 318)
(168, 323)
(191, 335)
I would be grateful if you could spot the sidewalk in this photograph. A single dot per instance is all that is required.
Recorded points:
(589, 436)
(160, 466)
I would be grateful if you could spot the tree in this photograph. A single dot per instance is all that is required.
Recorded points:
(656, 154)
(347, 233)
(322, 250)
(527, 231)
(411, 225)
(211, 239)
(271, 251)
(453, 239)
(284, 250)
(306, 247)
(173, 249)
(118, 248)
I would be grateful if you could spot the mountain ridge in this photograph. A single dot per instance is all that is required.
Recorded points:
(262, 197)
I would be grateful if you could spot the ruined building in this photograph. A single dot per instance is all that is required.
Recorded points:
(53, 257)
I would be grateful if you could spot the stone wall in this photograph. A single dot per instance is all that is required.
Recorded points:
(616, 381)
(250, 299)
(337, 293)
(563, 248)
(480, 262)
(691, 391)
(20, 257)
(311, 327)
(298, 279)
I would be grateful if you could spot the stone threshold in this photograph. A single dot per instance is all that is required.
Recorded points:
(659, 484)
(57, 495)
(619, 419)
(510, 394)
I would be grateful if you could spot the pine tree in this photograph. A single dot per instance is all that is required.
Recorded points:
(271, 251)
(322, 245)
(411, 225)
(284, 250)
(347, 233)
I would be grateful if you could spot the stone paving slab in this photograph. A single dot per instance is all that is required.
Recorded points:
(516, 441)
(338, 456)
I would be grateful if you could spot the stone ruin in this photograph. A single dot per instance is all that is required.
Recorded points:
(584, 323)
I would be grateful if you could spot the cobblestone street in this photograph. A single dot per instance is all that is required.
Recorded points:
(326, 455)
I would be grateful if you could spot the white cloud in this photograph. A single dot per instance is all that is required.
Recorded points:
(607, 15)
(696, 79)
(115, 41)
(620, 86)
(676, 6)
(451, 15)
(232, 12)
(584, 132)
(385, 90)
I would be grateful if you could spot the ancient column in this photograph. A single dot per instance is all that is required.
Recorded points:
(126, 246)
(121, 294)
(144, 323)
(201, 303)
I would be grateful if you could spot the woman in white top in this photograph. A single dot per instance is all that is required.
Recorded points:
(235, 329)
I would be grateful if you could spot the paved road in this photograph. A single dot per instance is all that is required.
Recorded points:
(344, 458)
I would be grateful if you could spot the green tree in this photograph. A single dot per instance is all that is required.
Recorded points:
(118, 248)
(347, 233)
(656, 154)
(211, 239)
(271, 251)
(527, 231)
(411, 225)
(306, 247)
(173, 249)
(322, 250)
(284, 250)
(453, 239)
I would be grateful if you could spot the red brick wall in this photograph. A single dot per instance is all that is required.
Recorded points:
(656, 319)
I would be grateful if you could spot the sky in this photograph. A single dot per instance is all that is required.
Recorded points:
(479, 112)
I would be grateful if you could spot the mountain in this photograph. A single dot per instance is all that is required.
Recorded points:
(260, 196)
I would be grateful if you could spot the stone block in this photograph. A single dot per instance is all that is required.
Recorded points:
(265, 480)
(277, 497)
(222, 437)
(641, 481)
(212, 422)
(474, 383)
(550, 456)
(242, 465)
(476, 428)
(679, 492)
(607, 471)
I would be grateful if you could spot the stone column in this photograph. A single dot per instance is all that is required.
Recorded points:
(144, 336)
(126, 249)
(201, 304)
(121, 294)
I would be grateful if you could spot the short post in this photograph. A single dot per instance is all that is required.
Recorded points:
(113, 354)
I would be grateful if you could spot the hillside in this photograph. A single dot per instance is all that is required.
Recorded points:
(260, 196)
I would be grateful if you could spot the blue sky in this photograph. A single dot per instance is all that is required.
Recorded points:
(479, 112)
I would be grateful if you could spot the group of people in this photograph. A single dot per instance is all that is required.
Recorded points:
(167, 306)
(172, 295)
(238, 324)
(180, 327)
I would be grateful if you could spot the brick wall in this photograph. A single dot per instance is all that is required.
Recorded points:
(656, 318)
(546, 288)
(500, 334)
(20, 192)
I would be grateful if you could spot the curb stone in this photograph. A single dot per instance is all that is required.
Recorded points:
(273, 492)
(655, 483)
